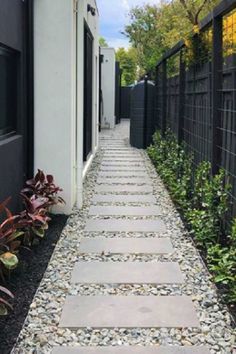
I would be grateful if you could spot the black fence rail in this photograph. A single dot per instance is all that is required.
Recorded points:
(196, 93)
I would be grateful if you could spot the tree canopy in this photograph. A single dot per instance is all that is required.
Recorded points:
(103, 42)
(128, 63)
(153, 29)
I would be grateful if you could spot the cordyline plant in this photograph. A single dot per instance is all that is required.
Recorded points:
(4, 304)
(9, 240)
(34, 219)
(43, 185)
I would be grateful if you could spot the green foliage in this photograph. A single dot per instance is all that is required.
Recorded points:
(203, 202)
(103, 42)
(153, 29)
(209, 205)
(128, 64)
(174, 166)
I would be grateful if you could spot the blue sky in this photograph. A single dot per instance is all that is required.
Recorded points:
(114, 16)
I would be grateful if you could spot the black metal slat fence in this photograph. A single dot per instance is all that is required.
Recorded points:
(196, 98)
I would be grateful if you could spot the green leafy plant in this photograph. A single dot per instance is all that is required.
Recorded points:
(209, 205)
(4, 302)
(203, 201)
(174, 165)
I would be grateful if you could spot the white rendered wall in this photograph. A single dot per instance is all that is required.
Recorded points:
(108, 87)
(54, 93)
(59, 86)
(93, 23)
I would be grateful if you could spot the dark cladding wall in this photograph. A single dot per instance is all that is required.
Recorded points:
(125, 102)
(11, 172)
(15, 96)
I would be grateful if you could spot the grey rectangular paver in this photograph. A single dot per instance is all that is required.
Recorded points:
(127, 273)
(123, 174)
(128, 312)
(116, 225)
(122, 163)
(124, 210)
(132, 350)
(131, 180)
(124, 198)
(123, 159)
(105, 188)
(126, 154)
(131, 245)
(123, 168)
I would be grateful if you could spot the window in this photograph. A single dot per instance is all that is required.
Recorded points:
(8, 91)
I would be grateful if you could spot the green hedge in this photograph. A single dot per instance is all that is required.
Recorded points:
(202, 200)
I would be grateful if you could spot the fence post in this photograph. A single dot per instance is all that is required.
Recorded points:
(145, 110)
(217, 82)
(164, 96)
(181, 96)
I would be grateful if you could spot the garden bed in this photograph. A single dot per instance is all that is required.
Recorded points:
(25, 280)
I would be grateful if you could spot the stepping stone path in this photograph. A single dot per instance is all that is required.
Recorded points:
(125, 278)
(123, 172)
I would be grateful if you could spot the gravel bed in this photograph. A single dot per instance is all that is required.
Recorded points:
(41, 332)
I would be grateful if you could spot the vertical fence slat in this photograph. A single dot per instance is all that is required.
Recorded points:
(217, 66)
(181, 96)
(164, 95)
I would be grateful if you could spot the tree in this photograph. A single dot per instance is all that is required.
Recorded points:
(128, 63)
(194, 8)
(144, 36)
(103, 42)
(154, 29)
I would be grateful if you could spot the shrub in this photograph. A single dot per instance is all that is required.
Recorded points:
(203, 201)
(208, 206)
(222, 264)
(174, 165)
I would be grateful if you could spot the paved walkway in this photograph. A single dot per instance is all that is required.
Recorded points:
(125, 278)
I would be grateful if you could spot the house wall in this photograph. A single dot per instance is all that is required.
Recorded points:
(108, 87)
(58, 77)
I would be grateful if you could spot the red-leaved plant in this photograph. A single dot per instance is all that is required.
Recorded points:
(10, 239)
(43, 185)
(34, 219)
(4, 304)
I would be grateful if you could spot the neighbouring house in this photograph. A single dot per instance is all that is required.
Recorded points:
(49, 93)
(108, 69)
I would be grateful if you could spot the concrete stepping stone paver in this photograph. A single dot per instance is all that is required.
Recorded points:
(119, 164)
(124, 198)
(127, 273)
(132, 350)
(131, 180)
(122, 159)
(128, 312)
(161, 245)
(107, 188)
(124, 174)
(120, 225)
(125, 210)
(123, 168)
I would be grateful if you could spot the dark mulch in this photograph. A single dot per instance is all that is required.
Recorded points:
(25, 281)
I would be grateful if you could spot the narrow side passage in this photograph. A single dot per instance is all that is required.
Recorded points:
(125, 276)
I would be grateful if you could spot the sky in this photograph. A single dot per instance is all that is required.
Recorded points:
(113, 18)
